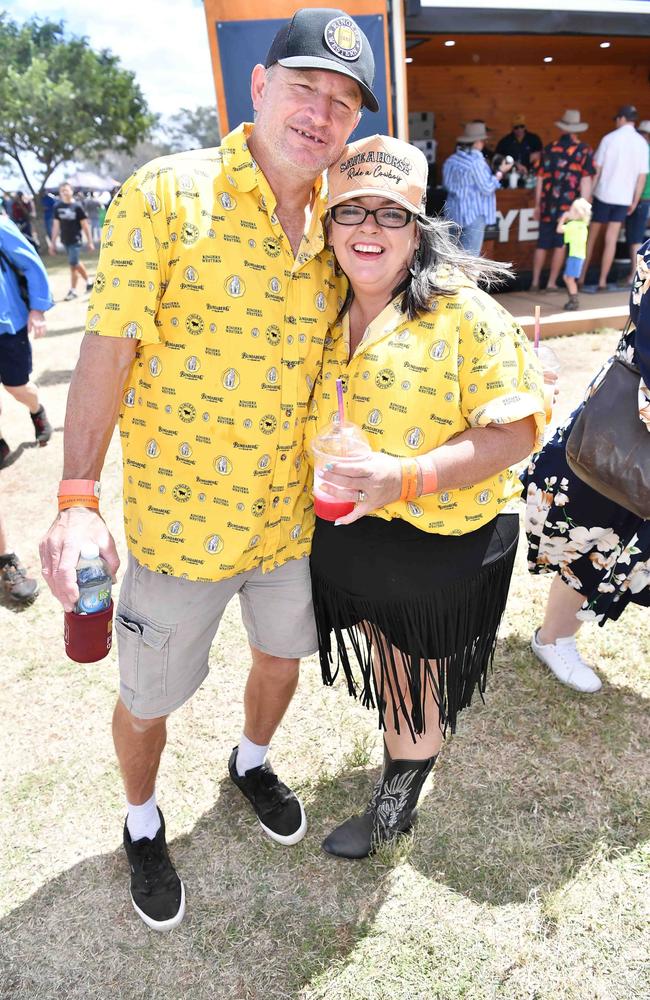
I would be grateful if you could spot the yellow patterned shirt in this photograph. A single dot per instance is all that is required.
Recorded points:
(195, 265)
(413, 385)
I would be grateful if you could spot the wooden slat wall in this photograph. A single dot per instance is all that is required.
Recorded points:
(495, 93)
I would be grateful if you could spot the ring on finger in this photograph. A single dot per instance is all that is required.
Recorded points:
(363, 496)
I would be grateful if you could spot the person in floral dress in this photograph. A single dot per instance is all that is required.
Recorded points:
(598, 550)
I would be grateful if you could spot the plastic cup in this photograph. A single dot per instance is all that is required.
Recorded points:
(344, 444)
(551, 368)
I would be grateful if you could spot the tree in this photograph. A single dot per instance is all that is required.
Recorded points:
(59, 99)
(187, 129)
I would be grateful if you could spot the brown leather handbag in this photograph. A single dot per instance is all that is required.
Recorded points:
(609, 445)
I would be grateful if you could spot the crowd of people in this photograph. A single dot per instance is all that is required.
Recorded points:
(615, 180)
(236, 360)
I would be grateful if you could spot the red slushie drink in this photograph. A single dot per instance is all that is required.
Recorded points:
(343, 444)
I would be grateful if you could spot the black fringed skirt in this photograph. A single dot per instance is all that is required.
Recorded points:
(428, 605)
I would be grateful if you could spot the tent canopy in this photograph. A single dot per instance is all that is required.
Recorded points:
(87, 180)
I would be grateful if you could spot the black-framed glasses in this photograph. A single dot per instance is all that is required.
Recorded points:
(388, 217)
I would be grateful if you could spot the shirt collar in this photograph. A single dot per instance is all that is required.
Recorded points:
(243, 174)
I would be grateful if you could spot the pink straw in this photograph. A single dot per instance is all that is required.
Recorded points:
(537, 330)
(339, 396)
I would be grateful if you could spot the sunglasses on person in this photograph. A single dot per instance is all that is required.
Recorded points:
(389, 217)
(518, 128)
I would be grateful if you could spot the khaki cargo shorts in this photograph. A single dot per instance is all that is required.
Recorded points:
(165, 627)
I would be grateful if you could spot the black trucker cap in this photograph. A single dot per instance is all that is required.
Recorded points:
(325, 38)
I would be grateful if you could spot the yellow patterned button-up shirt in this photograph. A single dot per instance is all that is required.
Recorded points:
(414, 384)
(230, 326)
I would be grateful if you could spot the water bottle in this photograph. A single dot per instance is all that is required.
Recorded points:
(88, 629)
(93, 580)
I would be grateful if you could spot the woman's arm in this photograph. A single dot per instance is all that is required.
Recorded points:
(471, 457)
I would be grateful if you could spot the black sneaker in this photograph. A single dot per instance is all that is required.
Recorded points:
(5, 451)
(157, 893)
(42, 426)
(14, 579)
(277, 808)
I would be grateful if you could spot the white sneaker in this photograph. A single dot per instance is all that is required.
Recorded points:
(564, 660)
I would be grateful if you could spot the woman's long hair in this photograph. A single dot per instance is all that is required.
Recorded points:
(436, 267)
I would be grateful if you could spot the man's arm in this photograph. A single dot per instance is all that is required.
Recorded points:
(640, 184)
(56, 226)
(93, 404)
(86, 231)
(538, 197)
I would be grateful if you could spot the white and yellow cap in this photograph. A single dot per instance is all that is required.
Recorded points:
(380, 166)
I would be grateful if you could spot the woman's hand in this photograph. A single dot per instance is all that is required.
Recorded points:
(377, 478)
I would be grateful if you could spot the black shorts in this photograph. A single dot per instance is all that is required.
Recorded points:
(548, 238)
(605, 211)
(15, 358)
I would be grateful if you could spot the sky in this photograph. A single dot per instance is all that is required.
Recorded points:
(164, 42)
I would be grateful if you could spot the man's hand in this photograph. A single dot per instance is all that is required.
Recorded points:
(632, 208)
(36, 323)
(61, 547)
(91, 246)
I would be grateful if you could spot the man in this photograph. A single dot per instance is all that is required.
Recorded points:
(207, 323)
(636, 222)
(70, 220)
(565, 173)
(621, 162)
(471, 185)
(24, 298)
(523, 146)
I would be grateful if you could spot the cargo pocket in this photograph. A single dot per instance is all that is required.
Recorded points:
(144, 653)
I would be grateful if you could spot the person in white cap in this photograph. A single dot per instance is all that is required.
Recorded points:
(449, 392)
(471, 186)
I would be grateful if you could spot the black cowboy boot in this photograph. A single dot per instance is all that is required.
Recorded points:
(391, 810)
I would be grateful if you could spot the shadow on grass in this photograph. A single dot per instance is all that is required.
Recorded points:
(15, 454)
(536, 784)
(54, 376)
(65, 330)
(245, 895)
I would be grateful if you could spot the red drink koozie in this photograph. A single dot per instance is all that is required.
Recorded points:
(88, 638)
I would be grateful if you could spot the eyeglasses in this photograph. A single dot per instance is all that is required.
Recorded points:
(516, 127)
(392, 217)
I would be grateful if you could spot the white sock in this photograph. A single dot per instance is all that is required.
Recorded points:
(249, 755)
(143, 821)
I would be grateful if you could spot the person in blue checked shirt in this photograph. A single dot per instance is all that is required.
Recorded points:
(24, 299)
(471, 185)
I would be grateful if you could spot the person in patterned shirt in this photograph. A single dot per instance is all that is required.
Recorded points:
(205, 331)
(449, 392)
(565, 173)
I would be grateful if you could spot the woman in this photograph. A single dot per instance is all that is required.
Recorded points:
(448, 391)
(599, 552)
(471, 185)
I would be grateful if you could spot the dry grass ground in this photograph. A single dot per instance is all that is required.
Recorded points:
(528, 878)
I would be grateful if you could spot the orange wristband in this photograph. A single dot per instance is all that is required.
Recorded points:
(77, 501)
(429, 478)
(409, 479)
(79, 487)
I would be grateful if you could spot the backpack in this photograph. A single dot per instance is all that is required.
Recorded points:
(7, 264)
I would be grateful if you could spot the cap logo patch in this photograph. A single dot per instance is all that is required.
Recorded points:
(343, 38)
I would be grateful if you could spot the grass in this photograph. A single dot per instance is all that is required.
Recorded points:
(528, 877)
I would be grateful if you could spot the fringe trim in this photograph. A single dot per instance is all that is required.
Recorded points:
(462, 619)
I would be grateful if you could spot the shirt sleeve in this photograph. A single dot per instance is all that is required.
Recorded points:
(81, 214)
(485, 181)
(131, 268)
(501, 380)
(26, 260)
